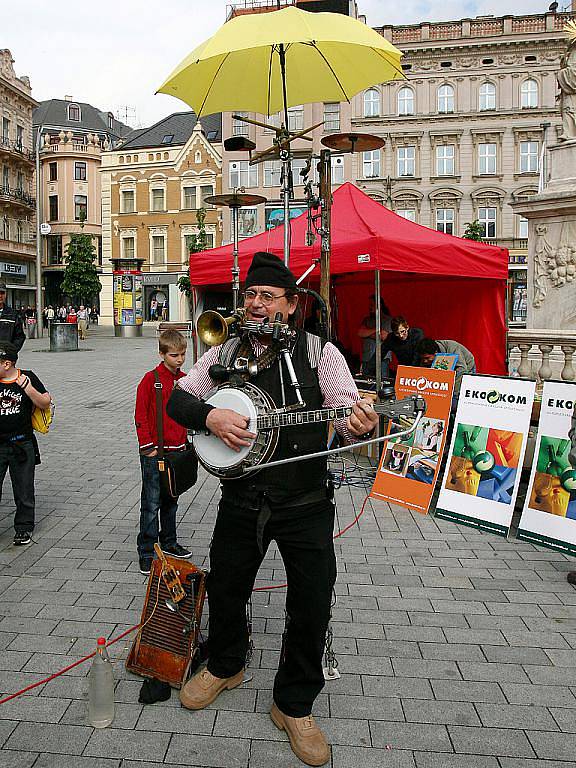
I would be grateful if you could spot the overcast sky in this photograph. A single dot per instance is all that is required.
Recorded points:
(114, 55)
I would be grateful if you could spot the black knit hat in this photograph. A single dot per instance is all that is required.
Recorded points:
(8, 351)
(267, 269)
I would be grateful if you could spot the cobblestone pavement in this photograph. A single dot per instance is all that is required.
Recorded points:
(456, 648)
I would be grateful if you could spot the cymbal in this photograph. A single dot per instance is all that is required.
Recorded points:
(232, 200)
(352, 142)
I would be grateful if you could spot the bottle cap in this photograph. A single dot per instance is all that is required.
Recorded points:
(101, 641)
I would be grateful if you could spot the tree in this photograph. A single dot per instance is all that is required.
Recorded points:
(198, 242)
(474, 231)
(81, 282)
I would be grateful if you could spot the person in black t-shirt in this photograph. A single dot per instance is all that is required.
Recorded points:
(20, 391)
(403, 341)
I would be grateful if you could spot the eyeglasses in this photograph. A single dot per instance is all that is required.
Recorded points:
(266, 297)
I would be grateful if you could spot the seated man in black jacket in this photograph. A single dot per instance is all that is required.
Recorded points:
(10, 323)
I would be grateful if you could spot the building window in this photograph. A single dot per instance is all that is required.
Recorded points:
(206, 191)
(529, 94)
(528, 157)
(298, 164)
(158, 249)
(445, 160)
(19, 232)
(20, 182)
(74, 113)
(54, 250)
(158, 200)
(19, 137)
(487, 159)
(332, 117)
(238, 127)
(296, 118)
(407, 213)
(242, 174)
(445, 99)
(5, 130)
(247, 222)
(127, 201)
(406, 161)
(522, 228)
(5, 228)
(53, 207)
(487, 219)
(189, 201)
(337, 166)
(272, 169)
(80, 207)
(168, 138)
(128, 244)
(487, 97)
(445, 220)
(53, 171)
(371, 103)
(371, 164)
(405, 101)
(5, 178)
(80, 171)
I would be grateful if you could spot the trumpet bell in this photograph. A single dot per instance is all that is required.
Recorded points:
(213, 328)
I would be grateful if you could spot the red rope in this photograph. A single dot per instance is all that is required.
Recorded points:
(135, 627)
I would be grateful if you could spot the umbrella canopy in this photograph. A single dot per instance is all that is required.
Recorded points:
(328, 57)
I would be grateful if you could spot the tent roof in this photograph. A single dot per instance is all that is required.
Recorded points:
(365, 236)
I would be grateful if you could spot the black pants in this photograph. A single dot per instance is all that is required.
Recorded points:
(304, 538)
(20, 460)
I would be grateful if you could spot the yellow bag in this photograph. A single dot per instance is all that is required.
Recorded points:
(42, 418)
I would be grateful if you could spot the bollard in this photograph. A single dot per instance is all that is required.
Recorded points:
(63, 337)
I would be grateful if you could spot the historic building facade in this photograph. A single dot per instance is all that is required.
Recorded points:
(17, 199)
(73, 136)
(152, 188)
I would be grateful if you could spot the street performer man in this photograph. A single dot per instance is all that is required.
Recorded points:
(290, 504)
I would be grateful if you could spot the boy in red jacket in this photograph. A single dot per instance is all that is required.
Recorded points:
(172, 349)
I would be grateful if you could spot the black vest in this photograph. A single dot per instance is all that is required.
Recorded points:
(284, 484)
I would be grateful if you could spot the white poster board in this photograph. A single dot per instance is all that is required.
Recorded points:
(482, 474)
(549, 514)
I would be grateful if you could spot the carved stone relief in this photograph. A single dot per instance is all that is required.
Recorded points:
(554, 258)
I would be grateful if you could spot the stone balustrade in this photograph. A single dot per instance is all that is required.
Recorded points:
(543, 353)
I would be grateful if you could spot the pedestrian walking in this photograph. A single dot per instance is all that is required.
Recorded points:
(20, 391)
(11, 328)
(82, 317)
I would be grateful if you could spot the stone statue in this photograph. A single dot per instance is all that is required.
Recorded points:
(567, 82)
(542, 253)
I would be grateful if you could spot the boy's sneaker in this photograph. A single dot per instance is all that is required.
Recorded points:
(21, 538)
(145, 564)
(176, 550)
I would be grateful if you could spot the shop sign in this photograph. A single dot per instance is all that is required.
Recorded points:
(18, 270)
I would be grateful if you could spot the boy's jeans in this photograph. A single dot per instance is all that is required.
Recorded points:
(152, 501)
(20, 460)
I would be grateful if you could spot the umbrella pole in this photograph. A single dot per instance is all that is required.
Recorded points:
(235, 266)
(378, 329)
(326, 200)
(285, 157)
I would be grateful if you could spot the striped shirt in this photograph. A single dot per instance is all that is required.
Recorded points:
(336, 383)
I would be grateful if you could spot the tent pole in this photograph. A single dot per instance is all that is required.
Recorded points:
(378, 329)
(326, 200)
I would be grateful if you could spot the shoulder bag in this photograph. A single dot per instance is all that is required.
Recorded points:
(178, 469)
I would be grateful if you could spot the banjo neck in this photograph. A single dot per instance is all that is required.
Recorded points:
(276, 420)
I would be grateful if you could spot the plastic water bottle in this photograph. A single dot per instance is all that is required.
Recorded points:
(101, 688)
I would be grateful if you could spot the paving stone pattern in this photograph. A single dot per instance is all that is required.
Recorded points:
(456, 648)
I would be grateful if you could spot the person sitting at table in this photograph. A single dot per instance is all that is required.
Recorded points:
(403, 341)
(465, 362)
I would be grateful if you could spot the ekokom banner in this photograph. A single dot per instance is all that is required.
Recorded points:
(549, 514)
(409, 465)
(480, 483)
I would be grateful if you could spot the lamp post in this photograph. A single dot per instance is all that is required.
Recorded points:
(39, 211)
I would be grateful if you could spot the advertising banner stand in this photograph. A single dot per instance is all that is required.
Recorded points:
(409, 466)
(485, 459)
(549, 513)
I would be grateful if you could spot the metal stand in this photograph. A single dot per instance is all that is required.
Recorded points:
(235, 265)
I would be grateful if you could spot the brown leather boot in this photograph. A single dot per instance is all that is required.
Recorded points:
(306, 738)
(202, 689)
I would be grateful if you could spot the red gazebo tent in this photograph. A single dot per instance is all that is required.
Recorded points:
(450, 287)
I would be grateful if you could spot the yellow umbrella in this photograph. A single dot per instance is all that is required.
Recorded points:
(266, 62)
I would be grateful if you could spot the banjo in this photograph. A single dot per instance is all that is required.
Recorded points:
(265, 421)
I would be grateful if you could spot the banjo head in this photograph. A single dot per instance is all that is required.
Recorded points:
(212, 452)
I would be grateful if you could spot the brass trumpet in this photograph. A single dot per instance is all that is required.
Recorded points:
(213, 328)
